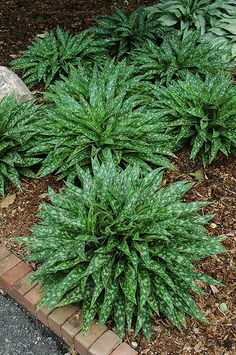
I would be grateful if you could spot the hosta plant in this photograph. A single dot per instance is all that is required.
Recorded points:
(94, 115)
(188, 15)
(56, 54)
(201, 112)
(175, 57)
(223, 34)
(16, 120)
(121, 33)
(122, 247)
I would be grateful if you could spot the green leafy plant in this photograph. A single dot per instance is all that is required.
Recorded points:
(175, 57)
(56, 54)
(121, 33)
(202, 112)
(214, 19)
(188, 15)
(94, 115)
(123, 247)
(16, 121)
(223, 34)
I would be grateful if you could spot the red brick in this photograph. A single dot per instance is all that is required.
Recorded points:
(7, 264)
(124, 349)
(71, 328)
(24, 285)
(21, 288)
(58, 317)
(4, 252)
(43, 314)
(83, 342)
(18, 272)
(105, 344)
(31, 299)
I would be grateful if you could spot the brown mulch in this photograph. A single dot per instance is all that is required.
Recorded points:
(18, 217)
(20, 21)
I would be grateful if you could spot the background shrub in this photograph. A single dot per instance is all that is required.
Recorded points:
(223, 34)
(188, 15)
(16, 121)
(215, 20)
(121, 245)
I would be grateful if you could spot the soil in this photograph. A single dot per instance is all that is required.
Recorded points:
(20, 21)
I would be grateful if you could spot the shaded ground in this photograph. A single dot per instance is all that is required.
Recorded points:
(20, 21)
(22, 335)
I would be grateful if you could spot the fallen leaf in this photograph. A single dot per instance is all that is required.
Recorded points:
(2, 292)
(7, 201)
(77, 316)
(164, 182)
(134, 344)
(199, 175)
(44, 195)
(213, 225)
(223, 307)
(42, 35)
(196, 330)
(14, 56)
(214, 289)
(198, 347)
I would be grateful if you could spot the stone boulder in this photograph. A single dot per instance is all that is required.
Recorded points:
(10, 83)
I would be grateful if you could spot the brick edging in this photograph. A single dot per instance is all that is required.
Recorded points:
(65, 322)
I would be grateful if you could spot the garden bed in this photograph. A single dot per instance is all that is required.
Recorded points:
(219, 186)
(216, 183)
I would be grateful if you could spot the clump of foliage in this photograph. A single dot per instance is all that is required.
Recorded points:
(122, 246)
(188, 15)
(94, 115)
(202, 112)
(215, 20)
(121, 33)
(16, 120)
(223, 34)
(175, 57)
(56, 54)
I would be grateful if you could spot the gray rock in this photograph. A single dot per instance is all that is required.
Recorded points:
(10, 83)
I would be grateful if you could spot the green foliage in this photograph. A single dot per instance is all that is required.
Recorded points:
(16, 121)
(188, 15)
(56, 54)
(121, 245)
(223, 33)
(95, 114)
(214, 19)
(121, 33)
(202, 112)
(175, 57)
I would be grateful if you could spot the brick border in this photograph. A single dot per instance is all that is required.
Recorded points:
(65, 322)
